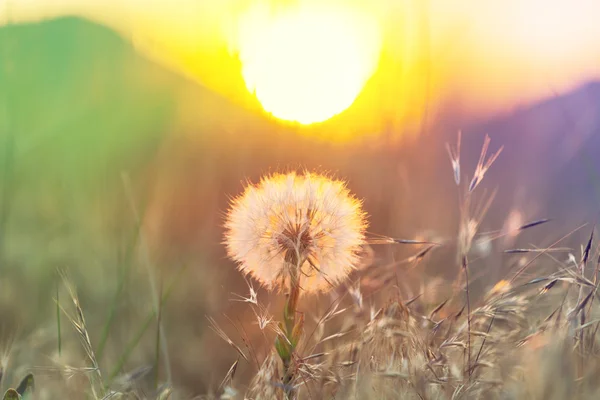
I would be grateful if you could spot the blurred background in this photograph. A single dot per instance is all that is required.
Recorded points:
(126, 127)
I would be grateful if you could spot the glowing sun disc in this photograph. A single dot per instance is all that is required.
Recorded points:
(307, 65)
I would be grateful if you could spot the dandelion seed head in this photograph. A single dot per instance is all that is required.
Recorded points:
(307, 216)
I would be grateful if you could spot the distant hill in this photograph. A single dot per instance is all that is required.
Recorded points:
(78, 97)
(552, 152)
(80, 100)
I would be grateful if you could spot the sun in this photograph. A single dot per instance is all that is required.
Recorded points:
(307, 65)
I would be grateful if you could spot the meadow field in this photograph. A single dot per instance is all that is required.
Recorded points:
(444, 250)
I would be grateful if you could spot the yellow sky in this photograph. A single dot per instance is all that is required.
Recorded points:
(489, 56)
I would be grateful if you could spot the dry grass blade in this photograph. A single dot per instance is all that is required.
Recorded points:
(578, 278)
(230, 375)
(78, 322)
(547, 250)
(252, 297)
(583, 303)
(549, 286)
(215, 327)
(528, 264)
(536, 281)
(533, 224)
(334, 336)
(313, 356)
(454, 154)
(482, 165)
(348, 363)
(380, 239)
(438, 308)
(130, 380)
(393, 374)
(421, 254)
(412, 300)
(586, 251)
(462, 345)
(587, 324)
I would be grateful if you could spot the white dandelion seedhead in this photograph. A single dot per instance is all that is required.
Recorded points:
(307, 217)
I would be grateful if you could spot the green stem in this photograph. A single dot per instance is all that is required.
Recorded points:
(292, 328)
(289, 312)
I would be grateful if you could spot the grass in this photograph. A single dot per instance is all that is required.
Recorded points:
(531, 334)
(526, 336)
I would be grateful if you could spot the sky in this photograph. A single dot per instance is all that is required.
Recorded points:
(481, 57)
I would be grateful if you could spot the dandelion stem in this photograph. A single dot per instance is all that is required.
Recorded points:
(292, 328)
(289, 313)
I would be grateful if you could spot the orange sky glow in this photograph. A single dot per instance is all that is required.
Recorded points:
(484, 57)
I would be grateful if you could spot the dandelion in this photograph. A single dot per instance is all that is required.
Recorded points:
(305, 225)
(297, 232)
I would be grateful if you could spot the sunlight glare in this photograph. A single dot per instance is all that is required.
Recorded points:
(307, 65)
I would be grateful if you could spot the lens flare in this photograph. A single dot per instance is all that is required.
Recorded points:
(307, 65)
